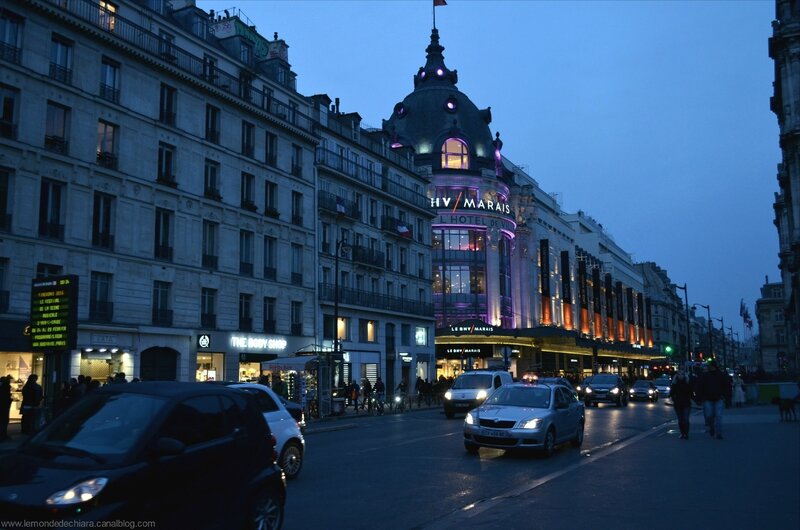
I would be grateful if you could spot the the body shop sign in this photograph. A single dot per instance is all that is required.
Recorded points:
(255, 343)
(54, 313)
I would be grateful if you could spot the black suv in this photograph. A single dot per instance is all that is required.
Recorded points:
(608, 388)
(184, 455)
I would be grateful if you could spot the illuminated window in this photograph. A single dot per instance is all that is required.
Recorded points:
(455, 154)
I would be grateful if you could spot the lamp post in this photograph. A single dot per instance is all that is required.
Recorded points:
(688, 353)
(341, 246)
(710, 336)
(721, 321)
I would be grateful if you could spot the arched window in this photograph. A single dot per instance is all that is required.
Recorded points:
(455, 154)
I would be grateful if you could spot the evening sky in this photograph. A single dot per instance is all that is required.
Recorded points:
(650, 116)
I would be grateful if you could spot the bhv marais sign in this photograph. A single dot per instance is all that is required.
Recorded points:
(472, 327)
(467, 203)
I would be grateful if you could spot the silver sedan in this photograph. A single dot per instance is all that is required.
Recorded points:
(526, 416)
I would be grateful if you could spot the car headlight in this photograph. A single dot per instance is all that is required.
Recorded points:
(631, 391)
(650, 391)
(531, 424)
(578, 388)
(469, 419)
(615, 390)
(448, 395)
(588, 390)
(81, 492)
(481, 394)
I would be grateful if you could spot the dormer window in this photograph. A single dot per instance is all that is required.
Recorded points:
(450, 105)
(455, 154)
(422, 74)
(400, 110)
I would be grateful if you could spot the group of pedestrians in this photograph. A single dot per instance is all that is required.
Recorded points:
(30, 407)
(712, 389)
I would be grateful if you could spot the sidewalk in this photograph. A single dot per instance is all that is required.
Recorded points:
(750, 479)
(344, 420)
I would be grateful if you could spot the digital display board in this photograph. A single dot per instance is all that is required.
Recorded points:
(54, 313)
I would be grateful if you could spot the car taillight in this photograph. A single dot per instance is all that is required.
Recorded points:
(274, 450)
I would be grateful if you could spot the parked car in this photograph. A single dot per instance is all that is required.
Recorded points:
(558, 381)
(297, 412)
(291, 444)
(581, 387)
(608, 388)
(526, 416)
(663, 385)
(643, 390)
(184, 455)
(471, 388)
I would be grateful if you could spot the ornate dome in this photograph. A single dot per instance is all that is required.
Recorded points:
(436, 111)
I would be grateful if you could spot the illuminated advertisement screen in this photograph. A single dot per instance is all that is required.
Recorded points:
(54, 313)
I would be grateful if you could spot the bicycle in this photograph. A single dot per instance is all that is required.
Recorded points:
(379, 403)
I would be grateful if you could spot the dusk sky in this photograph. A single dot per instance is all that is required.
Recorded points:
(651, 117)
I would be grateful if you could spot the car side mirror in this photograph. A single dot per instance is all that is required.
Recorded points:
(167, 446)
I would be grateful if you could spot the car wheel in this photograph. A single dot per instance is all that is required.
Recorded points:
(291, 460)
(267, 512)
(449, 414)
(471, 448)
(549, 446)
(578, 440)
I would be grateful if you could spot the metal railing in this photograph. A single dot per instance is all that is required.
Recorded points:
(361, 298)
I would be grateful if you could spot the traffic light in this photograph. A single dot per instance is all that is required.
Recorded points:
(668, 349)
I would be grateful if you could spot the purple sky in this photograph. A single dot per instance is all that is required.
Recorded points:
(652, 117)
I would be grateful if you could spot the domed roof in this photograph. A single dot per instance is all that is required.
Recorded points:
(435, 111)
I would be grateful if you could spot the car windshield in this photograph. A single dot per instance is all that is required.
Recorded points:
(473, 381)
(604, 379)
(641, 384)
(516, 396)
(102, 427)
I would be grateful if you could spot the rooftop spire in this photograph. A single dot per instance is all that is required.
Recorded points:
(435, 71)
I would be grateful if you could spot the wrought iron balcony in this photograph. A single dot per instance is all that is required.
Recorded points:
(103, 240)
(366, 256)
(210, 261)
(297, 329)
(8, 130)
(57, 144)
(245, 269)
(10, 53)
(162, 317)
(61, 73)
(269, 326)
(167, 180)
(208, 320)
(297, 278)
(338, 205)
(101, 310)
(212, 193)
(248, 204)
(245, 324)
(271, 211)
(109, 93)
(270, 273)
(163, 252)
(356, 297)
(107, 160)
(51, 231)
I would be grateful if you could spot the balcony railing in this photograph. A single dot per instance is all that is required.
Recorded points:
(101, 310)
(269, 326)
(271, 211)
(212, 193)
(297, 278)
(248, 204)
(103, 240)
(57, 144)
(167, 180)
(297, 329)
(208, 320)
(162, 317)
(5, 222)
(163, 252)
(52, 231)
(245, 269)
(212, 136)
(338, 205)
(8, 130)
(367, 256)
(356, 297)
(149, 42)
(109, 93)
(297, 220)
(245, 324)
(107, 160)
(396, 227)
(209, 261)
(10, 53)
(61, 73)
(4, 301)
(270, 273)
(167, 116)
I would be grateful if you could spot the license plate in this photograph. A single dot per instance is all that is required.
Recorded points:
(462, 405)
(495, 433)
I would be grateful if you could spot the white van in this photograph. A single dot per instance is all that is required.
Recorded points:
(471, 388)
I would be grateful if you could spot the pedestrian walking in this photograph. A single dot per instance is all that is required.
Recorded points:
(681, 393)
(355, 391)
(715, 390)
(31, 404)
(738, 391)
(366, 391)
(5, 406)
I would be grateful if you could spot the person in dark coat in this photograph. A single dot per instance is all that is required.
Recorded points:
(681, 393)
(31, 404)
(5, 406)
(715, 389)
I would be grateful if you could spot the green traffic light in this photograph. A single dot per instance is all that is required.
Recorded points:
(668, 349)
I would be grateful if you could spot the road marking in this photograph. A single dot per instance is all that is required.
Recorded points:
(462, 515)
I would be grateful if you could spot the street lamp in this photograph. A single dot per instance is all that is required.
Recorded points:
(710, 336)
(688, 353)
(721, 321)
(341, 246)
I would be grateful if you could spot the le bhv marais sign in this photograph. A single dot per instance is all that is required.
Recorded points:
(470, 203)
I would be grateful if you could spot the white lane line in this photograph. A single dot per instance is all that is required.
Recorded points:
(480, 506)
